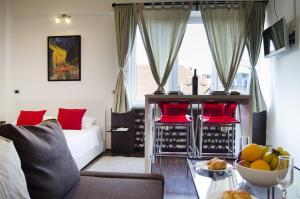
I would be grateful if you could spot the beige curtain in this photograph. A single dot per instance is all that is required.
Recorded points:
(162, 29)
(125, 23)
(253, 43)
(226, 29)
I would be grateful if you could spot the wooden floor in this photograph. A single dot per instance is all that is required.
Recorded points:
(177, 185)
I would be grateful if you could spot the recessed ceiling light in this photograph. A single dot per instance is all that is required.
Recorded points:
(63, 18)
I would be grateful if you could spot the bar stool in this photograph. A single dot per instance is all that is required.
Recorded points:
(219, 114)
(173, 114)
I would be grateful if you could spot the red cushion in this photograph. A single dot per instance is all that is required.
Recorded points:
(30, 117)
(173, 108)
(213, 108)
(219, 119)
(175, 119)
(70, 118)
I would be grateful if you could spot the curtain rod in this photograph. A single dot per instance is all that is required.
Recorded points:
(187, 2)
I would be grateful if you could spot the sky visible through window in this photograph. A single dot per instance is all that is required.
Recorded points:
(194, 51)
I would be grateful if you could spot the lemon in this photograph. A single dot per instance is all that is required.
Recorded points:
(260, 165)
(251, 152)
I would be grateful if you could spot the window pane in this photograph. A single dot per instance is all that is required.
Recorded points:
(145, 83)
(241, 78)
(194, 54)
(240, 81)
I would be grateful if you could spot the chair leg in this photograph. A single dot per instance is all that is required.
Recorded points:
(190, 140)
(154, 144)
(187, 169)
(160, 165)
(196, 134)
(228, 142)
(160, 139)
(233, 139)
(188, 131)
(201, 133)
(201, 139)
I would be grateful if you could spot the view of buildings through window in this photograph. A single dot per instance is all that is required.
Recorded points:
(194, 53)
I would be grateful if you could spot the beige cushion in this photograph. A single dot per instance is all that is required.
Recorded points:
(12, 179)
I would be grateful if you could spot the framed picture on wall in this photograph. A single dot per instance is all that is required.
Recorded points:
(64, 63)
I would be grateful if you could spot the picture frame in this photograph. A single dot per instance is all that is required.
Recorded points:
(64, 58)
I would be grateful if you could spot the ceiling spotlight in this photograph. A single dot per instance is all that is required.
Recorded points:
(57, 20)
(63, 18)
(67, 20)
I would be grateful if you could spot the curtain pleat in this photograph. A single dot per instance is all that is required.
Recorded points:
(162, 30)
(125, 23)
(253, 43)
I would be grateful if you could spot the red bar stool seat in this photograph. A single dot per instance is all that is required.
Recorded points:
(175, 119)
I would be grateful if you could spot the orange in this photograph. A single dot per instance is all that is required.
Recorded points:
(251, 152)
(260, 165)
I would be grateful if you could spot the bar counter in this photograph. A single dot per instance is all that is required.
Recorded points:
(245, 115)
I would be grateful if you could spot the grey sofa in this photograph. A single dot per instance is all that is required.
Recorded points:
(51, 172)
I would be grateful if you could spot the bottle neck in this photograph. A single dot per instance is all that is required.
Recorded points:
(195, 72)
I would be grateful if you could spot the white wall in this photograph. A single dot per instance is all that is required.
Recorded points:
(2, 57)
(31, 22)
(284, 105)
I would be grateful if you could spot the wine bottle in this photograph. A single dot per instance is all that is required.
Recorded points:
(195, 83)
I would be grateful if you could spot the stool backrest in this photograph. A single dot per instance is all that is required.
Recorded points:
(173, 108)
(219, 108)
(213, 108)
(230, 109)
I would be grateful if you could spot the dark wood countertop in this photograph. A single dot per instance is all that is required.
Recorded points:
(196, 98)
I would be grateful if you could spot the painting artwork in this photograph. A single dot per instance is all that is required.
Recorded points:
(64, 58)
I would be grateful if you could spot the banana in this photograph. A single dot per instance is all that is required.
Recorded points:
(285, 153)
(265, 149)
(276, 152)
(268, 156)
(280, 149)
(274, 162)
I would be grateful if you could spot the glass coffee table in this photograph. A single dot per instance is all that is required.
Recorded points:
(211, 185)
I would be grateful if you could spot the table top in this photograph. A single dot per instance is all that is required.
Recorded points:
(209, 183)
(197, 98)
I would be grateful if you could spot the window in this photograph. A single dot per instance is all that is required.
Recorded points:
(141, 81)
(194, 53)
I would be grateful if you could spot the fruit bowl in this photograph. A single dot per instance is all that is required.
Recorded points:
(258, 177)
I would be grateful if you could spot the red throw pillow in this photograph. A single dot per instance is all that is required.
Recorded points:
(30, 117)
(70, 118)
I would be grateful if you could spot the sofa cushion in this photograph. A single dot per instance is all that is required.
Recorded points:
(49, 168)
(12, 179)
(95, 185)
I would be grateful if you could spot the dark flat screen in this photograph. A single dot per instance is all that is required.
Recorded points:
(274, 37)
